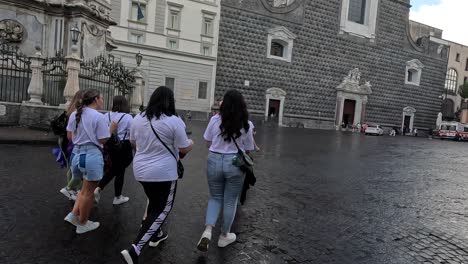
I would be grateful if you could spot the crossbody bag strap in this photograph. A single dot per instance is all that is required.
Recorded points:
(156, 134)
(126, 130)
(237, 146)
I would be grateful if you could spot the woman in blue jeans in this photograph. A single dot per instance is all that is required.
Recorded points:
(225, 179)
(88, 130)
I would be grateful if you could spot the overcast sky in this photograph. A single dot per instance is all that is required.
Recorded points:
(448, 15)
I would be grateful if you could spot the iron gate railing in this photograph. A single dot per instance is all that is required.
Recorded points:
(107, 76)
(54, 73)
(15, 74)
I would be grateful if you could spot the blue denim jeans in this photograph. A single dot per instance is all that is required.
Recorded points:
(87, 163)
(225, 184)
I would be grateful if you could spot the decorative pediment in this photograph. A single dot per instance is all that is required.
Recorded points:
(409, 110)
(276, 92)
(415, 64)
(351, 84)
(282, 33)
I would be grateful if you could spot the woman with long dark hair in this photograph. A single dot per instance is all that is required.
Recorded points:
(225, 179)
(120, 149)
(158, 135)
(88, 130)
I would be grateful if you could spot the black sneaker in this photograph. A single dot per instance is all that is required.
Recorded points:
(158, 239)
(130, 256)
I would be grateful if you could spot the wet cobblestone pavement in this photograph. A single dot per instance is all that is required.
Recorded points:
(321, 197)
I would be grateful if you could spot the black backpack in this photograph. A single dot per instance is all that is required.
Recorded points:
(59, 124)
(114, 144)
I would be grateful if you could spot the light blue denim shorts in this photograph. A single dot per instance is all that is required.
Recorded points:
(87, 163)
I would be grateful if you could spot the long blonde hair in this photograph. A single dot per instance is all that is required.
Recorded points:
(72, 107)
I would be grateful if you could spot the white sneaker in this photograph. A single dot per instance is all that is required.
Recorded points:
(204, 241)
(69, 193)
(89, 226)
(224, 241)
(120, 200)
(97, 195)
(72, 219)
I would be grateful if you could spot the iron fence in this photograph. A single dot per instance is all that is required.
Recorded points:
(54, 73)
(15, 74)
(110, 78)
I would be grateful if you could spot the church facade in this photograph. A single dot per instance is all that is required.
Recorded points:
(325, 63)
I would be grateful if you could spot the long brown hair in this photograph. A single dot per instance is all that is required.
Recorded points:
(72, 106)
(88, 98)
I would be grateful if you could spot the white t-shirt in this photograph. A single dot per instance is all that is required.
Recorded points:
(123, 130)
(92, 127)
(219, 145)
(152, 161)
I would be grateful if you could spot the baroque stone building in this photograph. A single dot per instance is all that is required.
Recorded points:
(322, 63)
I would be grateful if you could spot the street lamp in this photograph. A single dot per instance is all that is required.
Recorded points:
(75, 34)
(138, 58)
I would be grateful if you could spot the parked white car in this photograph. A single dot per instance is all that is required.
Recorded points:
(374, 130)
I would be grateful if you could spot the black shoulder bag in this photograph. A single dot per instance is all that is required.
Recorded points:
(114, 144)
(244, 161)
(180, 166)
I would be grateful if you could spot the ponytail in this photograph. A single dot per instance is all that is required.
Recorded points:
(87, 99)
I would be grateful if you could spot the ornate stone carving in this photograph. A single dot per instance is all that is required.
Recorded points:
(351, 83)
(276, 92)
(409, 110)
(280, 3)
(281, 6)
(11, 31)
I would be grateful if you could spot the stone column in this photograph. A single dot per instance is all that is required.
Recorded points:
(73, 81)
(137, 91)
(363, 112)
(36, 86)
(338, 113)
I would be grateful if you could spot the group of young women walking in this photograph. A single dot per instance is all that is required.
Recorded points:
(157, 139)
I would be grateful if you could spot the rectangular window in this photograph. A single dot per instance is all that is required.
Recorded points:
(173, 44)
(58, 37)
(136, 38)
(207, 27)
(202, 90)
(170, 83)
(410, 76)
(138, 12)
(174, 20)
(466, 65)
(357, 11)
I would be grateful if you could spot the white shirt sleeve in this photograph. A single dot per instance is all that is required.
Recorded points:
(102, 129)
(71, 122)
(208, 136)
(180, 136)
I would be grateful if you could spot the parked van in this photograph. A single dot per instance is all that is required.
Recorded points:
(448, 130)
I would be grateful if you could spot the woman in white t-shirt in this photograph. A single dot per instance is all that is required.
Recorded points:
(155, 167)
(88, 130)
(225, 178)
(122, 157)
